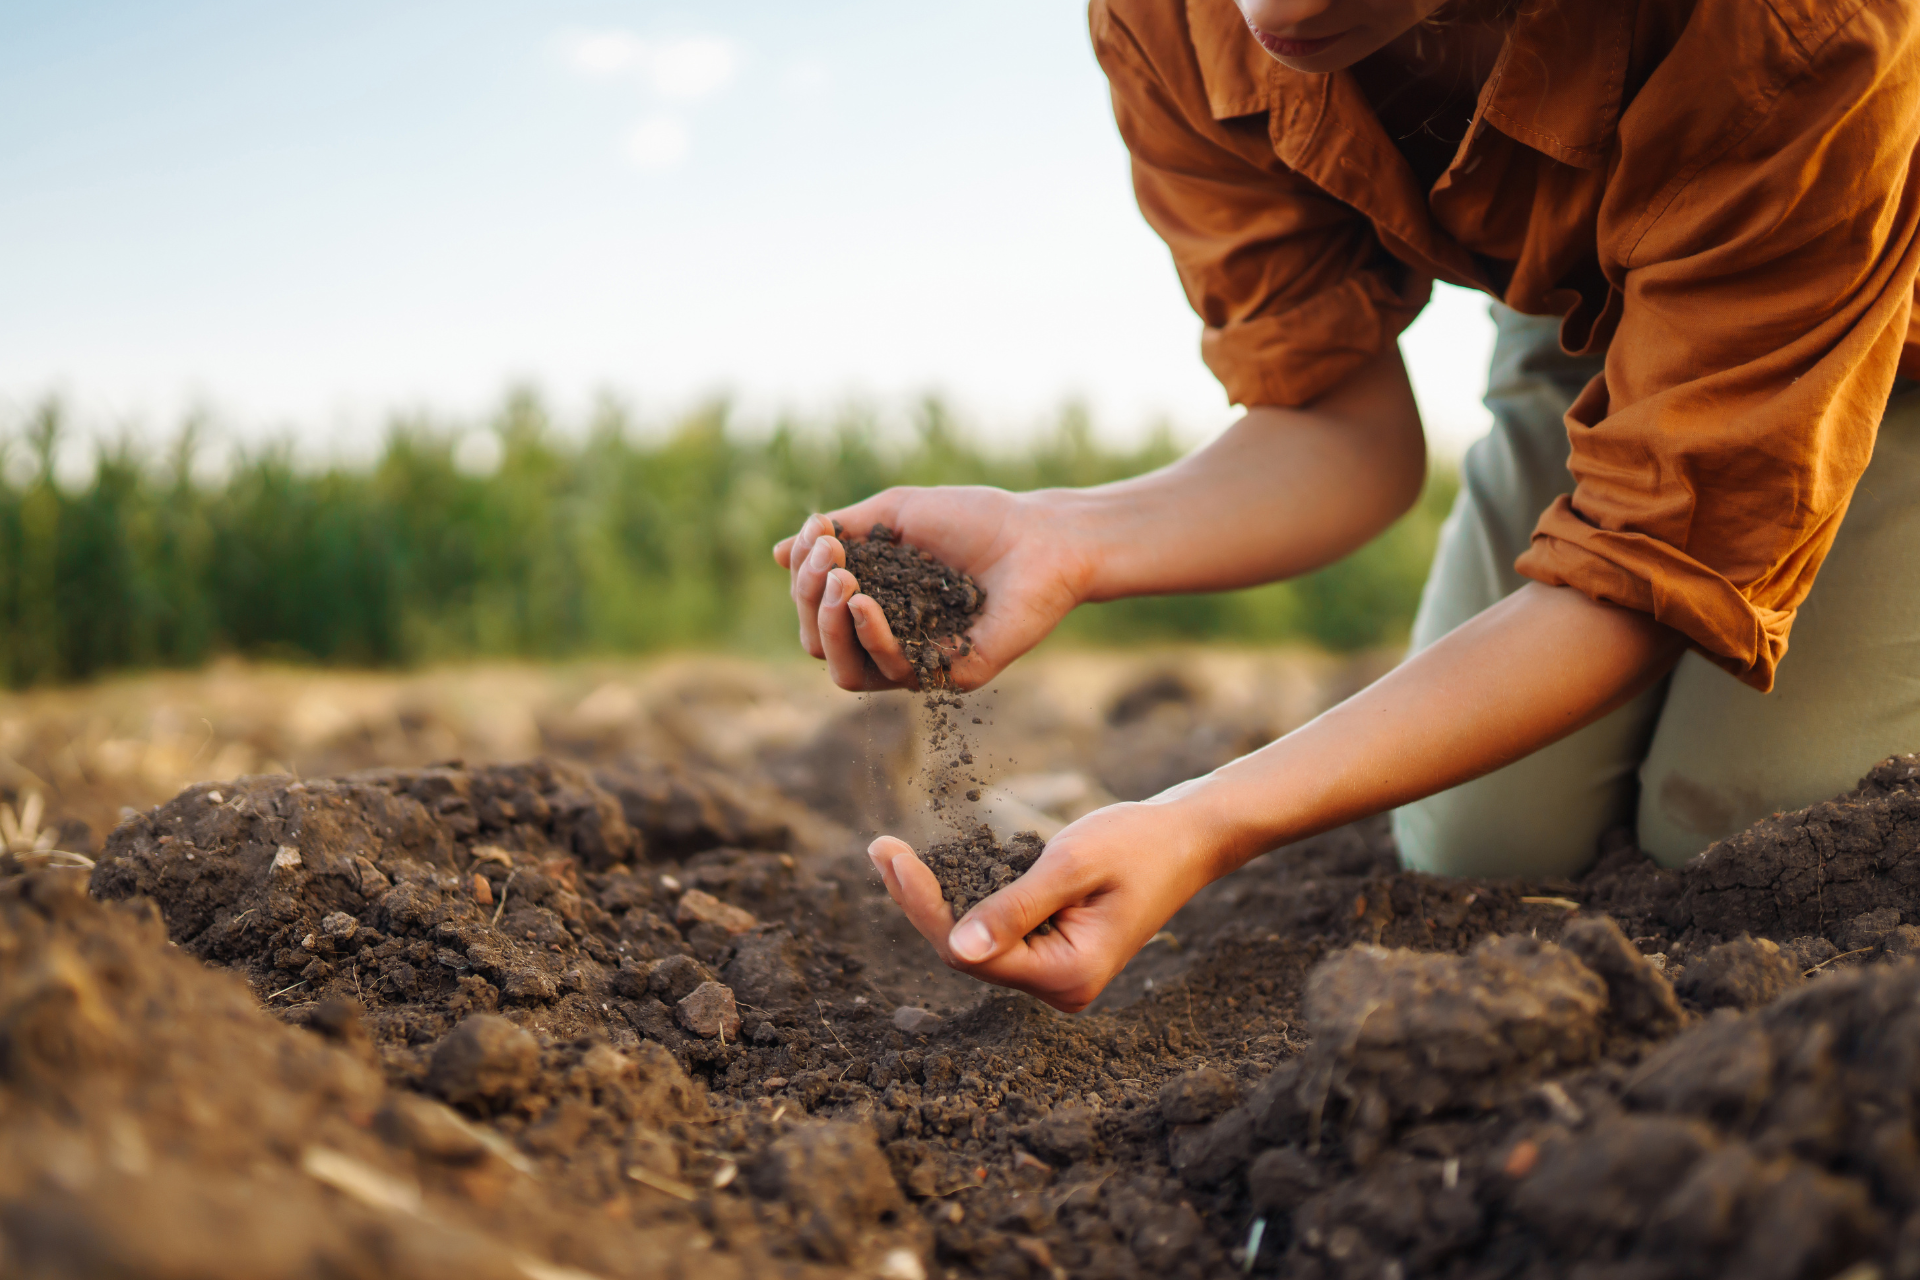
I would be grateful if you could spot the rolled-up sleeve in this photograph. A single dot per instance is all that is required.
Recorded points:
(1763, 257)
(1293, 287)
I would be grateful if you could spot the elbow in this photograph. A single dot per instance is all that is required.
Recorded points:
(1408, 478)
(1398, 470)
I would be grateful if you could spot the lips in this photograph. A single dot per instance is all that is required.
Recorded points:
(1283, 47)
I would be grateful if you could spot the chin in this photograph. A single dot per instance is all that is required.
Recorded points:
(1322, 63)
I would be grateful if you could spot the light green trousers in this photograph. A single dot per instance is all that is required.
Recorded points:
(1700, 756)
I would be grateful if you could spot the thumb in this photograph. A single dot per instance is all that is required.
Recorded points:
(1005, 919)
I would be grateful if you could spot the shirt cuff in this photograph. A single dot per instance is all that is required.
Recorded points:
(1643, 573)
(1296, 356)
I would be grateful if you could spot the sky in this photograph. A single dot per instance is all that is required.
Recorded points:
(304, 218)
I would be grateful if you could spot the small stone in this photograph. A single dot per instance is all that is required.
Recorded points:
(482, 891)
(285, 858)
(915, 1021)
(699, 907)
(485, 1058)
(709, 1011)
(339, 926)
(674, 978)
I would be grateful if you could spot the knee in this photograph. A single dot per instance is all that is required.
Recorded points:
(1495, 836)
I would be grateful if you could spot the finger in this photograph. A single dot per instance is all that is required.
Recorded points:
(782, 554)
(881, 853)
(917, 894)
(1049, 967)
(847, 662)
(876, 637)
(809, 584)
(857, 520)
(800, 546)
(996, 927)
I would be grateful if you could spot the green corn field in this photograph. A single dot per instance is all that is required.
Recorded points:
(607, 539)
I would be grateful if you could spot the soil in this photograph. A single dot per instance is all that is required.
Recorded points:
(553, 1021)
(973, 865)
(929, 604)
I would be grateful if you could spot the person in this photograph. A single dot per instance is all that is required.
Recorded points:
(1700, 223)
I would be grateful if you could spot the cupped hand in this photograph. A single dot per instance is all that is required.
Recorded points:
(1108, 882)
(1020, 548)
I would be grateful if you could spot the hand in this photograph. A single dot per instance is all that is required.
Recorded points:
(1108, 882)
(1020, 548)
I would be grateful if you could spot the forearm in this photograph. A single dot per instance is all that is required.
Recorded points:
(1282, 492)
(1541, 664)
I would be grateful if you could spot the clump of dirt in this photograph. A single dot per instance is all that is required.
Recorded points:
(929, 604)
(973, 865)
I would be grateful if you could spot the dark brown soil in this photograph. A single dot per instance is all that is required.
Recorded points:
(513, 1050)
(973, 865)
(929, 604)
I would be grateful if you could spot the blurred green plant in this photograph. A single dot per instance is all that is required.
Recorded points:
(613, 540)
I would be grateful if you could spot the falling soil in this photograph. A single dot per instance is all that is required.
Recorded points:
(973, 865)
(544, 1022)
(929, 604)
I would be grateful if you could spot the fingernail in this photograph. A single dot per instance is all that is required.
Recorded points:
(819, 558)
(971, 941)
(835, 593)
(873, 857)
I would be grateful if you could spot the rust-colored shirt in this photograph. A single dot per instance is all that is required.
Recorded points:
(1719, 194)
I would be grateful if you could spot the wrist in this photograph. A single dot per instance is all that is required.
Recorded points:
(1086, 529)
(1243, 809)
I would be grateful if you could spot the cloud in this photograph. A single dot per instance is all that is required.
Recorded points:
(683, 70)
(688, 70)
(658, 142)
(603, 53)
(807, 79)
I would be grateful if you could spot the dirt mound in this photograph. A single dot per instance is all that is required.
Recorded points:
(159, 1123)
(489, 938)
(925, 600)
(623, 1022)
(1803, 873)
(1779, 1143)
(423, 896)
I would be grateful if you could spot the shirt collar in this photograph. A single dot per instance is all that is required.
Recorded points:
(1241, 79)
(1558, 84)
(1556, 87)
